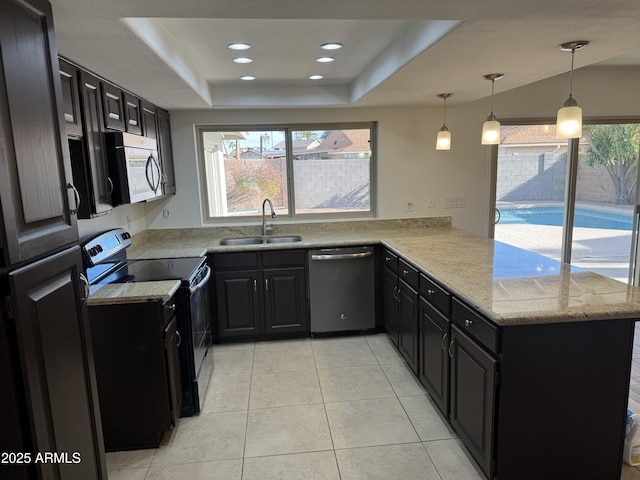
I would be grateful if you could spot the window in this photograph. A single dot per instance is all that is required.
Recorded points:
(308, 170)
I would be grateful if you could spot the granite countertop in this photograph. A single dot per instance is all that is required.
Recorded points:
(508, 285)
(133, 292)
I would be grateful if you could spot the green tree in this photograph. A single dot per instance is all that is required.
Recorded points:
(615, 147)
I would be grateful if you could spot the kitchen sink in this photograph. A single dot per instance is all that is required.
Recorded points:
(283, 239)
(241, 241)
(260, 240)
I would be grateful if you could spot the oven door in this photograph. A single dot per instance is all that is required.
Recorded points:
(144, 174)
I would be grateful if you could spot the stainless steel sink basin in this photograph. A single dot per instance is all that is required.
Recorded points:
(283, 239)
(260, 240)
(241, 241)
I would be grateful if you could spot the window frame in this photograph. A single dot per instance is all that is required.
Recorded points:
(288, 129)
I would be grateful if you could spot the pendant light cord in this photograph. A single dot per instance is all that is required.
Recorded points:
(444, 112)
(573, 53)
(493, 82)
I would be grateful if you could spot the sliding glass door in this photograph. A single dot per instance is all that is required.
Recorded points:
(540, 182)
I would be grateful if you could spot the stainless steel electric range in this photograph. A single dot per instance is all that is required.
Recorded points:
(105, 261)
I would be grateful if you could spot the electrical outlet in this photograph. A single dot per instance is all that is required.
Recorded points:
(408, 205)
(165, 213)
(431, 202)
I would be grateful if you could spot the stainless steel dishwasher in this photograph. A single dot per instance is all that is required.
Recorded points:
(342, 289)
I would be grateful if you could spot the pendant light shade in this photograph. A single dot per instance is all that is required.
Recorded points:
(569, 121)
(491, 128)
(443, 141)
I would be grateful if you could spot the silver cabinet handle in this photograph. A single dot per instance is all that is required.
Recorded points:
(255, 285)
(443, 342)
(468, 323)
(451, 354)
(405, 272)
(179, 338)
(76, 196)
(266, 284)
(430, 292)
(172, 307)
(110, 182)
(85, 285)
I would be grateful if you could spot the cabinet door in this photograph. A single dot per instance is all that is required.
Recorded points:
(132, 114)
(433, 353)
(166, 152)
(238, 300)
(285, 300)
(113, 107)
(70, 98)
(473, 373)
(54, 344)
(390, 303)
(408, 325)
(149, 119)
(94, 166)
(35, 173)
(171, 344)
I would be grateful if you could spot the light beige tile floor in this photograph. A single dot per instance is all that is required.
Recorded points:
(342, 408)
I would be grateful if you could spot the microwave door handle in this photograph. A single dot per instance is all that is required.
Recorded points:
(146, 172)
(160, 174)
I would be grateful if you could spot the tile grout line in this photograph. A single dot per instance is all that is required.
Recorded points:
(326, 416)
(246, 425)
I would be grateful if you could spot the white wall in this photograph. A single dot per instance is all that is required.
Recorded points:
(408, 164)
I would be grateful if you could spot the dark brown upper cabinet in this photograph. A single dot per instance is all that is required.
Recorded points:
(89, 157)
(132, 114)
(113, 107)
(149, 117)
(165, 151)
(35, 173)
(71, 98)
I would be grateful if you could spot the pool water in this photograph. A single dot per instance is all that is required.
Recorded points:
(554, 216)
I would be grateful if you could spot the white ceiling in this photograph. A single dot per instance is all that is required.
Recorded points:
(405, 52)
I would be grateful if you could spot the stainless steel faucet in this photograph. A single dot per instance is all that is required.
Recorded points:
(265, 230)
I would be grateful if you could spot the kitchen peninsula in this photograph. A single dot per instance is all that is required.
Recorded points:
(533, 356)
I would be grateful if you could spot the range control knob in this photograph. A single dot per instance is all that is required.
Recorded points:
(93, 251)
(126, 235)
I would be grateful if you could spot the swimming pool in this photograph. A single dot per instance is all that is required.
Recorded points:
(554, 216)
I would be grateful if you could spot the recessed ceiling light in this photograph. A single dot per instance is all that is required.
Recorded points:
(239, 46)
(315, 77)
(325, 59)
(243, 60)
(331, 46)
(247, 77)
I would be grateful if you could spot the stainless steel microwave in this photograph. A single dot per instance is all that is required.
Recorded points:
(134, 167)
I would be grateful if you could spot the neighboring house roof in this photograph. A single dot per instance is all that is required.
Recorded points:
(346, 141)
(299, 145)
(530, 134)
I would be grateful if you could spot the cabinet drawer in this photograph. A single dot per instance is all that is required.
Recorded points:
(234, 260)
(390, 260)
(435, 295)
(408, 273)
(283, 258)
(475, 325)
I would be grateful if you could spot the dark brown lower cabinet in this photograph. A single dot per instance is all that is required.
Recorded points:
(49, 400)
(237, 300)
(390, 303)
(138, 372)
(435, 338)
(260, 294)
(408, 324)
(285, 294)
(473, 394)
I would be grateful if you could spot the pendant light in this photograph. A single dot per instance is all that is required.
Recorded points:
(569, 122)
(443, 142)
(491, 128)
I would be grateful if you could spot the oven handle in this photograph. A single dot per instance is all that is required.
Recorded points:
(202, 282)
